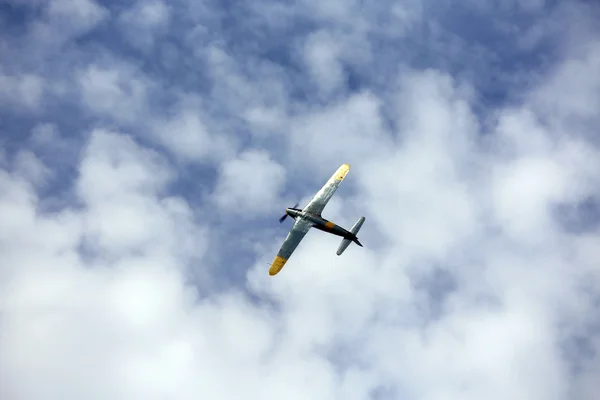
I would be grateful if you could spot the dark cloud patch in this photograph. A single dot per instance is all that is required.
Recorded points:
(582, 217)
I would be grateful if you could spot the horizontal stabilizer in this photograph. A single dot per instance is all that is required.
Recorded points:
(357, 225)
(346, 242)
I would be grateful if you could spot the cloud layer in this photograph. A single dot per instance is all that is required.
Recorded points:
(148, 149)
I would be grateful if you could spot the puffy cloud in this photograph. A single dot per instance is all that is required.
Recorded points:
(355, 130)
(63, 20)
(323, 62)
(25, 90)
(128, 213)
(249, 185)
(128, 280)
(114, 90)
(188, 136)
(144, 21)
(29, 166)
(571, 93)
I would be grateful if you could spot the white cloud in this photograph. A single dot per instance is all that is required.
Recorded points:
(115, 90)
(25, 90)
(84, 12)
(241, 86)
(430, 196)
(144, 21)
(64, 20)
(571, 93)
(249, 184)
(468, 285)
(347, 132)
(321, 54)
(132, 320)
(31, 168)
(122, 184)
(186, 134)
(46, 139)
(265, 120)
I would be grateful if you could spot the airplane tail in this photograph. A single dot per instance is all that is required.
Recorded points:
(346, 242)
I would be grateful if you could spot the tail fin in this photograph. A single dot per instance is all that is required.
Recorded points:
(346, 242)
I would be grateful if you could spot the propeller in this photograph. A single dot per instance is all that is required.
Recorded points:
(284, 216)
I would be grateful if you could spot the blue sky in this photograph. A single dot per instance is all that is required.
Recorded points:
(148, 148)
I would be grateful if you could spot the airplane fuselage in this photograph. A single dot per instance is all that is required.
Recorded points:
(320, 223)
(310, 217)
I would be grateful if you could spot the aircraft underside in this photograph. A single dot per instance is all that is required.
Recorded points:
(310, 217)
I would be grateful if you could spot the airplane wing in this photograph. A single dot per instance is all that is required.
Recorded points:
(318, 203)
(293, 239)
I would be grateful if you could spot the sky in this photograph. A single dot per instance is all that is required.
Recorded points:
(147, 149)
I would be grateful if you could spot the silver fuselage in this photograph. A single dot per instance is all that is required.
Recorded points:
(319, 222)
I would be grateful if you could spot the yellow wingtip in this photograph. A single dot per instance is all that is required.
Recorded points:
(342, 171)
(277, 265)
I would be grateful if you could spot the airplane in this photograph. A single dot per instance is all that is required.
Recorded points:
(310, 217)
